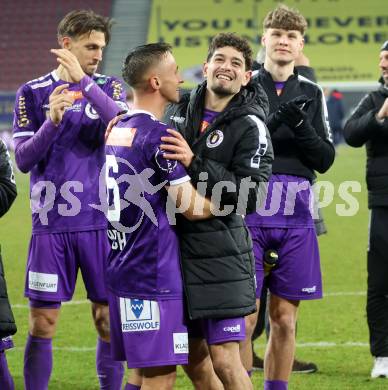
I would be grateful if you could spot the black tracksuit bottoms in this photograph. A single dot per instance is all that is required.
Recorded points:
(377, 296)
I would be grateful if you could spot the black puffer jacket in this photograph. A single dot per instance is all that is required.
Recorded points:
(309, 150)
(7, 196)
(363, 128)
(217, 259)
(7, 182)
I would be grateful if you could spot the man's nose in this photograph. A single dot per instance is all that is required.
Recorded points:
(284, 40)
(98, 55)
(226, 64)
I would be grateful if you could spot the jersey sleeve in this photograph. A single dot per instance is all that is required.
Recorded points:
(362, 124)
(31, 139)
(107, 97)
(314, 138)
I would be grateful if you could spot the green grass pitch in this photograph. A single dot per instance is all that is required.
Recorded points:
(331, 332)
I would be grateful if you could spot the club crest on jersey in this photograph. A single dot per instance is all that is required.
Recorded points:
(91, 112)
(214, 139)
(163, 163)
(138, 315)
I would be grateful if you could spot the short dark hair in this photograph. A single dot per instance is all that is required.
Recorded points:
(232, 40)
(285, 18)
(79, 22)
(141, 59)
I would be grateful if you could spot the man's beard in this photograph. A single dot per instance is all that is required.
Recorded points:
(222, 91)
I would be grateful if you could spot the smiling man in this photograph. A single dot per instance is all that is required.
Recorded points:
(59, 128)
(302, 145)
(225, 146)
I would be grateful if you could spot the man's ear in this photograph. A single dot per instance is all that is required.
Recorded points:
(247, 78)
(204, 69)
(155, 82)
(302, 44)
(263, 40)
(65, 42)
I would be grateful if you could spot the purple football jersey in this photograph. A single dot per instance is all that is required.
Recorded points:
(144, 260)
(289, 203)
(65, 161)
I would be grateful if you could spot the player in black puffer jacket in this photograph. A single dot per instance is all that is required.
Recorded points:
(226, 147)
(368, 125)
(7, 321)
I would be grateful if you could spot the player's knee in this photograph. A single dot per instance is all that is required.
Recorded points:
(162, 378)
(43, 324)
(225, 359)
(283, 323)
(199, 369)
(223, 368)
(101, 320)
(250, 325)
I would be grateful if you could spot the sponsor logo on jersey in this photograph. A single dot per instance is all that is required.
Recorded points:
(181, 343)
(42, 282)
(22, 119)
(120, 136)
(77, 107)
(138, 315)
(163, 163)
(214, 139)
(232, 329)
(75, 95)
(117, 90)
(91, 112)
(309, 290)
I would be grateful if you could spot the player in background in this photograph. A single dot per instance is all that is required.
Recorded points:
(148, 325)
(59, 126)
(302, 145)
(7, 321)
(368, 125)
(225, 146)
(302, 65)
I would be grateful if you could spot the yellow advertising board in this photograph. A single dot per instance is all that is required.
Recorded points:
(342, 41)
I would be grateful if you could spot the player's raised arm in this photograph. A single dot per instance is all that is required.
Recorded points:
(109, 103)
(31, 140)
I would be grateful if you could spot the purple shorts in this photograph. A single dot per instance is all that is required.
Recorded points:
(148, 333)
(6, 343)
(218, 331)
(297, 276)
(53, 263)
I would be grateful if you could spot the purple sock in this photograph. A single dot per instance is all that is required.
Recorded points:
(38, 363)
(130, 386)
(110, 372)
(6, 381)
(275, 385)
(249, 372)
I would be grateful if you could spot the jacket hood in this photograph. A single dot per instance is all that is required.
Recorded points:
(251, 100)
(384, 89)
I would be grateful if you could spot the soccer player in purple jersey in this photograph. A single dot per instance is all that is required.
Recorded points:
(148, 326)
(59, 126)
(302, 144)
(222, 141)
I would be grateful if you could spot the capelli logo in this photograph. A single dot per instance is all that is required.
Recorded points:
(178, 119)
